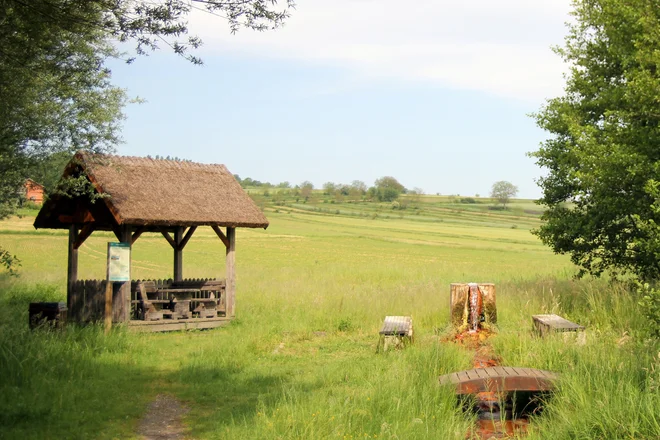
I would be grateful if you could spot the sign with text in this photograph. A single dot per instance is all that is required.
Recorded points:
(119, 262)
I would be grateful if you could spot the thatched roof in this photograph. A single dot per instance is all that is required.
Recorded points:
(153, 192)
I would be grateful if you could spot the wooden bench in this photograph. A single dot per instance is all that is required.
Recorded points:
(500, 379)
(208, 298)
(545, 324)
(396, 331)
(179, 300)
(152, 306)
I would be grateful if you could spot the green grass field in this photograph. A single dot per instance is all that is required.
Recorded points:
(299, 362)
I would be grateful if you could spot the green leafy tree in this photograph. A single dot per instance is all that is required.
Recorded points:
(306, 189)
(602, 189)
(56, 95)
(388, 189)
(502, 191)
(329, 188)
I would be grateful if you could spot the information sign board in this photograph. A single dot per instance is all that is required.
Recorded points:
(119, 262)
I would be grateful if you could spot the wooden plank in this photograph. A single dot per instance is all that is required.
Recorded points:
(107, 313)
(490, 371)
(137, 233)
(462, 376)
(221, 235)
(168, 237)
(499, 371)
(472, 374)
(187, 237)
(482, 373)
(83, 235)
(177, 325)
(231, 272)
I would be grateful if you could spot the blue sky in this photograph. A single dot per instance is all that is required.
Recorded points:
(436, 95)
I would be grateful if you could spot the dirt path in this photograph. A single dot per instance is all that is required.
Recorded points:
(163, 420)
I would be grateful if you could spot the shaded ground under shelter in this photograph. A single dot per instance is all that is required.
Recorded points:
(135, 195)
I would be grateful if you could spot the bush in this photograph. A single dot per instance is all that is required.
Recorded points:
(650, 303)
(467, 200)
(31, 205)
(345, 325)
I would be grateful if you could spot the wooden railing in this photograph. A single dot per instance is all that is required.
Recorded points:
(86, 300)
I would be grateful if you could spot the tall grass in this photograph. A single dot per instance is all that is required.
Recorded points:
(72, 383)
(300, 361)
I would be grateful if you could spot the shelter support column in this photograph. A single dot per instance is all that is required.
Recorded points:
(121, 301)
(231, 272)
(72, 272)
(178, 254)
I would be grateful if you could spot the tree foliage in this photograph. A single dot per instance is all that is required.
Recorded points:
(386, 189)
(602, 189)
(502, 191)
(55, 93)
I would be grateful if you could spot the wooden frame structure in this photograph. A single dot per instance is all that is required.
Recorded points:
(139, 195)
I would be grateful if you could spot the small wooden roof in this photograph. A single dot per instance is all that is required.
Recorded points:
(152, 193)
(32, 183)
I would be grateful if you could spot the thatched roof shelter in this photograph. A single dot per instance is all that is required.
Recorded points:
(133, 195)
(153, 193)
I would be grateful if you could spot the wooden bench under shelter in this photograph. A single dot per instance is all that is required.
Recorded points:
(135, 196)
(396, 331)
(545, 324)
(500, 379)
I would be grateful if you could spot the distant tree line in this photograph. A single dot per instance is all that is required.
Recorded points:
(385, 189)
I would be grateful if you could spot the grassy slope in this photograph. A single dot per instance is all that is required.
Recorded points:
(300, 362)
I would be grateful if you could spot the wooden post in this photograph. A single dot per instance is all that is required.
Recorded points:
(121, 303)
(458, 303)
(178, 254)
(231, 272)
(458, 299)
(108, 306)
(490, 309)
(72, 274)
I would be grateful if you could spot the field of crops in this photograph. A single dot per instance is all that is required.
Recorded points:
(300, 361)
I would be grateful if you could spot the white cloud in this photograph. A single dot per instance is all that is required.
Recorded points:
(499, 47)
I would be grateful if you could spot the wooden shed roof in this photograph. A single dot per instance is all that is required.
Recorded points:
(153, 192)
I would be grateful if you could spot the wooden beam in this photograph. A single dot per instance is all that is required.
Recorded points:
(121, 301)
(83, 235)
(178, 254)
(137, 234)
(72, 274)
(117, 231)
(221, 235)
(168, 237)
(186, 238)
(231, 272)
